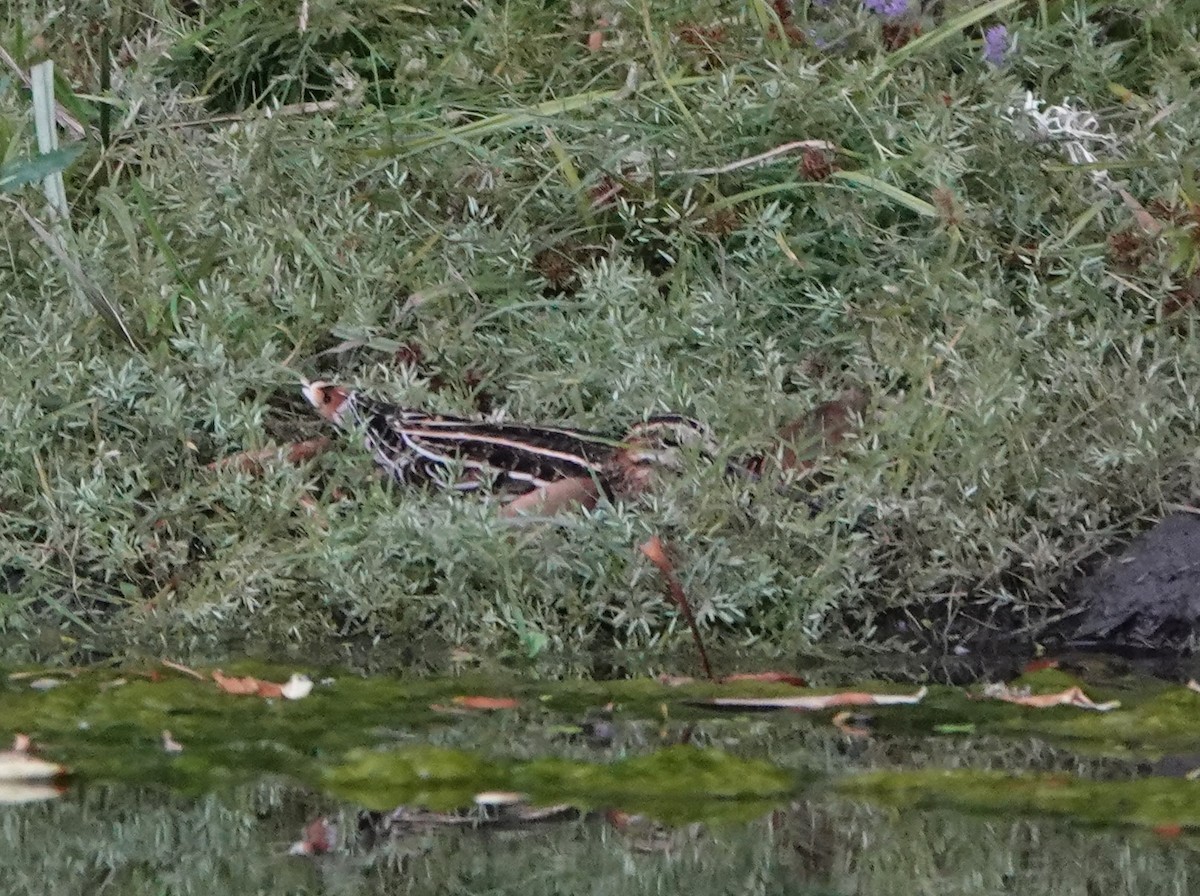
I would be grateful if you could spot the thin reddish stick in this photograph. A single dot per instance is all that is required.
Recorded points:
(657, 554)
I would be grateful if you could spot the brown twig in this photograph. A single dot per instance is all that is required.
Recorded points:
(657, 554)
(179, 667)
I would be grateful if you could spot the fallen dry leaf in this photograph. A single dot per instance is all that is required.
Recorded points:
(26, 676)
(15, 793)
(239, 686)
(599, 196)
(295, 688)
(675, 681)
(1039, 665)
(1070, 697)
(486, 703)
(595, 38)
(656, 552)
(565, 494)
(851, 724)
(824, 428)
(1145, 220)
(18, 765)
(319, 838)
(170, 744)
(499, 798)
(769, 677)
(643, 833)
(619, 819)
(819, 701)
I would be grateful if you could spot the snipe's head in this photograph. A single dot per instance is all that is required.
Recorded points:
(330, 401)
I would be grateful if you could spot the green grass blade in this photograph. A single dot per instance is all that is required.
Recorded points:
(661, 71)
(160, 240)
(41, 83)
(56, 238)
(771, 28)
(75, 274)
(32, 168)
(908, 200)
(511, 120)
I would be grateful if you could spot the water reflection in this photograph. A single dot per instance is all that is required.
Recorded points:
(147, 841)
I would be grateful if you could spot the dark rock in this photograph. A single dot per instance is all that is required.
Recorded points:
(1149, 595)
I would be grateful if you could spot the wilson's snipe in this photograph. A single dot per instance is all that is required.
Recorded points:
(509, 458)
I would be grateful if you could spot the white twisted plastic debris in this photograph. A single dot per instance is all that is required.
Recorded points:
(1077, 131)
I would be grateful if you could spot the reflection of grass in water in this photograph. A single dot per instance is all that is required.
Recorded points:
(1027, 406)
(144, 842)
(1147, 802)
(674, 784)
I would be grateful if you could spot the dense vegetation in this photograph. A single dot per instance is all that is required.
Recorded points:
(533, 209)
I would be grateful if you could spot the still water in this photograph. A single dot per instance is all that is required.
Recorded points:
(394, 786)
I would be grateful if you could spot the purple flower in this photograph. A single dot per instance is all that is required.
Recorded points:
(995, 45)
(889, 9)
